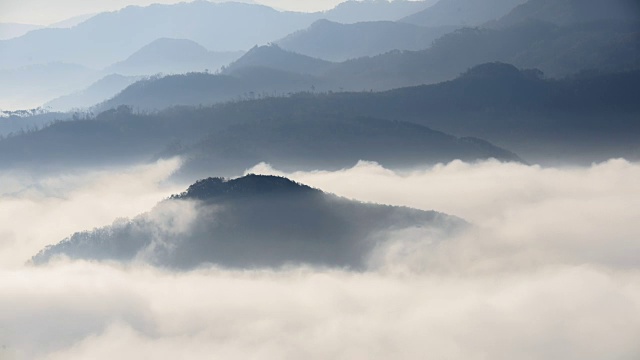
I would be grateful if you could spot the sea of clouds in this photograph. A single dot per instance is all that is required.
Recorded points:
(549, 270)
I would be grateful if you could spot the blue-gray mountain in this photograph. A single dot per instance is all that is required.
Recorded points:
(339, 42)
(230, 138)
(252, 222)
(173, 56)
(587, 117)
(462, 12)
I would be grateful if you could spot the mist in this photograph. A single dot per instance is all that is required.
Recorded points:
(41, 210)
(548, 271)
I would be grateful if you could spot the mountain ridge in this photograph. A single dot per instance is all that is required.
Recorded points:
(258, 222)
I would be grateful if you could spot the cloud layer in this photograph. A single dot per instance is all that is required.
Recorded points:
(550, 271)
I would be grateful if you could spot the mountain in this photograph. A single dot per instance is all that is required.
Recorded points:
(13, 30)
(584, 118)
(557, 51)
(572, 12)
(330, 142)
(333, 41)
(353, 11)
(111, 37)
(233, 137)
(462, 12)
(274, 57)
(197, 89)
(103, 89)
(172, 56)
(251, 222)
(580, 119)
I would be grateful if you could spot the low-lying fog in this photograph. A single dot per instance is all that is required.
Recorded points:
(551, 271)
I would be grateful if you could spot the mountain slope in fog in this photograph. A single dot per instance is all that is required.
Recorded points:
(110, 37)
(172, 56)
(557, 51)
(338, 42)
(196, 89)
(462, 12)
(250, 222)
(353, 11)
(588, 118)
(324, 141)
(274, 57)
(230, 138)
(572, 12)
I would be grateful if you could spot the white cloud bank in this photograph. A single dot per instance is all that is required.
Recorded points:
(551, 272)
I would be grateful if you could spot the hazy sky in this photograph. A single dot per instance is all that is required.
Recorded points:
(45, 12)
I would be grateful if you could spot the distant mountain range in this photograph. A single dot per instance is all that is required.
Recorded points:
(572, 12)
(333, 41)
(197, 89)
(251, 222)
(172, 56)
(274, 57)
(353, 11)
(462, 13)
(556, 50)
(309, 142)
(110, 37)
(230, 138)
(519, 110)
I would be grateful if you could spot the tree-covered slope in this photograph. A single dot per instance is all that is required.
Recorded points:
(251, 222)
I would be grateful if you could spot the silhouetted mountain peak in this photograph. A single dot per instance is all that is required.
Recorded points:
(322, 23)
(249, 185)
(170, 47)
(273, 56)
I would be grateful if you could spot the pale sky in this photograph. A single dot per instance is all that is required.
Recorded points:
(45, 12)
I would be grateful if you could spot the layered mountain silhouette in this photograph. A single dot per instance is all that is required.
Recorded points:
(558, 51)
(331, 142)
(231, 138)
(572, 12)
(107, 38)
(353, 11)
(274, 57)
(334, 41)
(197, 89)
(462, 12)
(591, 117)
(111, 37)
(251, 222)
(172, 56)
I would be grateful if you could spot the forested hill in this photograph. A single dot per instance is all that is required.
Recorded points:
(587, 118)
(251, 222)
